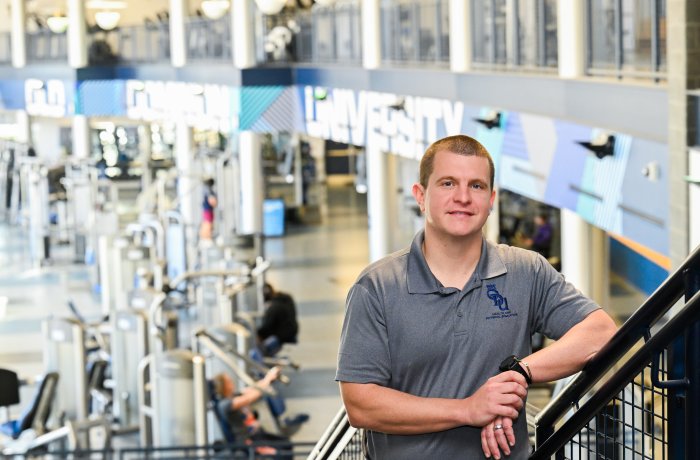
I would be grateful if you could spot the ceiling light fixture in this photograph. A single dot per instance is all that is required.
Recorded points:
(106, 5)
(215, 9)
(270, 6)
(57, 24)
(107, 20)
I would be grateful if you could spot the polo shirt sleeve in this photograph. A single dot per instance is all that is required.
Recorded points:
(558, 305)
(364, 351)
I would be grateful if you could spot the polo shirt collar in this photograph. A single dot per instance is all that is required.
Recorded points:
(421, 280)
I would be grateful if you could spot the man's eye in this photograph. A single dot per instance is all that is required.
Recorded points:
(448, 183)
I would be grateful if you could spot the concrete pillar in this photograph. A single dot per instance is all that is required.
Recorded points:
(571, 39)
(18, 33)
(81, 137)
(371, 35)
(243, 36)
(512, 33)
(251, 182)
(178, 50)
(77, 35)
(188, 188)
(585, 256)
(378, 198)
(683, 64)
(460, 36)
(23, 132)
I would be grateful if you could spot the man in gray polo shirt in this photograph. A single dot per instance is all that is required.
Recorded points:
(427, 327)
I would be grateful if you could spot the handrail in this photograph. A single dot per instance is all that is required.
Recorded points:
(629, 333)
(681, 321)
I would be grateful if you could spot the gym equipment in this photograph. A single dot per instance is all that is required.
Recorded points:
(175, 375)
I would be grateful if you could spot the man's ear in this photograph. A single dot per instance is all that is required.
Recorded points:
(419, 195)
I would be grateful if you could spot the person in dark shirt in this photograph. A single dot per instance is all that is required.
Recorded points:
(541, 240)
(279, 323)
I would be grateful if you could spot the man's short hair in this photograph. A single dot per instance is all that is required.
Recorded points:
(459, 144)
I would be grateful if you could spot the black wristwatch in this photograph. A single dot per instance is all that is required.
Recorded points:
(513, 363)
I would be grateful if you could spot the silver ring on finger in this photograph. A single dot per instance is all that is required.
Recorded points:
(497, 427)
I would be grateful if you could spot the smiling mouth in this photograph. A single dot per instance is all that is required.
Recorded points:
(461, 213)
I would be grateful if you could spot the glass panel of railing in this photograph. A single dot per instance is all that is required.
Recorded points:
(602, 34)
(415, 31)
(44, 45)
(149, 42)
(5, 48)
(518, 34)
(637, 31)
(208, 39)
(329, 34)
(627, 38)
(537, 33)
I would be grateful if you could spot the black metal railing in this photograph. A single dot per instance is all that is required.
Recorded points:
(295, 450)
(645, 406)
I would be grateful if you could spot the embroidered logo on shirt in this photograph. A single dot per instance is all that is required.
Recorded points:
(499, 302)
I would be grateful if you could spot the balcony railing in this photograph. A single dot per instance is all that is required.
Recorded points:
(46, 46)
(415, 32)
(514, 34)
(146, 43)
(209, 39)
(5, 48)
(329, 34)
(626, 39)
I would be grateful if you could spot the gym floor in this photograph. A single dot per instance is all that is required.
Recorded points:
(315, 263)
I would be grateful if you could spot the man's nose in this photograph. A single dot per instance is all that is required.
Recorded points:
(463, 194)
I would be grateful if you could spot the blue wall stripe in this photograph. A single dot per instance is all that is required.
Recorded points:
(635, 268)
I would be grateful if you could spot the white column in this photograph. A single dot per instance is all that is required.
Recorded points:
(571, 39)
(24, 127)
(17, 34)
(377, 199)
(585, 256)
(77, 34)
(81, 137)
(243, 36)
(694, 199)
(371, 35)
(178, 50)
(251, 182)
(599, 256)
(511, 38)
(492, 231)
(575, 244)
(188, 188)
(460, 36)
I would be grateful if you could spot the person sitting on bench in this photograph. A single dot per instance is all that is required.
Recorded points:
(279, 322)
(235, 407)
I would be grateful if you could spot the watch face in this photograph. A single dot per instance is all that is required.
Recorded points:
(508, 363)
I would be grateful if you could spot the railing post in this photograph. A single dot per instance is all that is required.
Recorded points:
(692, 358)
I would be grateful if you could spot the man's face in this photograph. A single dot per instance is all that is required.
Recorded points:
(458, 197)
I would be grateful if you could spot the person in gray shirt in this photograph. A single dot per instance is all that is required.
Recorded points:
(435, 356)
